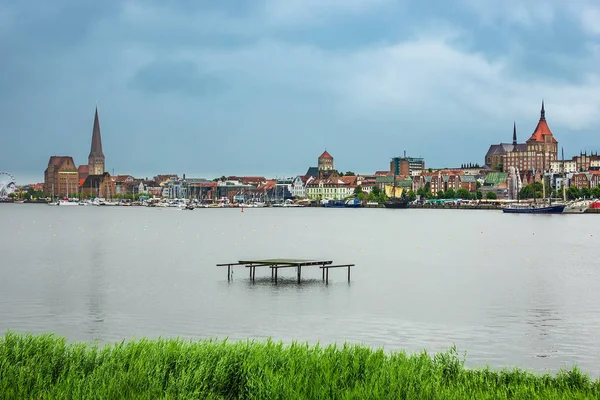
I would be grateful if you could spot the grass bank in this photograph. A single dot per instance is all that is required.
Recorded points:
(47, 367)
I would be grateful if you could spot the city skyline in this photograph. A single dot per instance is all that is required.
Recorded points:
(263, 88)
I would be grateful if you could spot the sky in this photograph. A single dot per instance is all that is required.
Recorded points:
(263, 87)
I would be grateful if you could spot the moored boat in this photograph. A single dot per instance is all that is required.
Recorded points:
(518, 208)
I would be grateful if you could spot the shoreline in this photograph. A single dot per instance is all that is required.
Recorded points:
(48, 366)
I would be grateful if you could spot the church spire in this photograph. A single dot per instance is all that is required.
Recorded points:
(96, 157)
(96, 150)
(514, 133)
(543, 113)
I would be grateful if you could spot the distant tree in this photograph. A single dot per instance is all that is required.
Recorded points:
(528, 190)
(596, 192)
(585, 193)
(573, 193)
(375, 191)
(491, 196)
(349, 173)
(358, 190)
(477, 184)
(411, 195)
(450, 194)
(463, 193)
(440, 194)
(362, 196)
(429, 195)
(479, 195)
(12, 195)
(421, 192)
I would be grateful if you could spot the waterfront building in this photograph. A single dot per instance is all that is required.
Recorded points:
(407, 166)
(123, 184)
(60, 177)
(329, 189)
(299, 186)
(96, 161)
(99, 186)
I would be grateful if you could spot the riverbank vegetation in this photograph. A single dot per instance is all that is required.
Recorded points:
(47, 367)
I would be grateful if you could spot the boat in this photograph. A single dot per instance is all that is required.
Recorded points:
(64, 202)
(394, 201)
(520, 208)
(333, 203)
(536, 208)
(577, 207)
(353, 203)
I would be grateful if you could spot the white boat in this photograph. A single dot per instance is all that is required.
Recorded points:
(577, 207)
(67, 203)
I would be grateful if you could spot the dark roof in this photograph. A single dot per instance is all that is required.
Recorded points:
(94, 180)
(59, 160)
(96, 150)
(313, 171)
(503, 148)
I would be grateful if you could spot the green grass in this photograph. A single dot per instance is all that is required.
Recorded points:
(47, 367)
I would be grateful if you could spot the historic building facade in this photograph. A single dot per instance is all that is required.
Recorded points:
(60, 177)
(537, 153)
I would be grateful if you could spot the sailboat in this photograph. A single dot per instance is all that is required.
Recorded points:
(396, 202)
(535, 208)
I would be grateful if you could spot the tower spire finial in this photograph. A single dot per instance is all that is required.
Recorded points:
(514, 133)
(543, 112)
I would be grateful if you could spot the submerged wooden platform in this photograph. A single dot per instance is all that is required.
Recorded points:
(276, 263)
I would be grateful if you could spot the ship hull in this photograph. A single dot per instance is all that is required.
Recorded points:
(396, 204)
(558, 209)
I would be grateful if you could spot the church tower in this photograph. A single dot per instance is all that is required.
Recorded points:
(96, 157)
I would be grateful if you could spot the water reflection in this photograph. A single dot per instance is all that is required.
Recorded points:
(96, 295)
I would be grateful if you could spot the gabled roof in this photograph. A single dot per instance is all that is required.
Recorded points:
(95, 180)
(121, 178)
(83, 169)
(348, 180)
(326, 155)
(541, 130)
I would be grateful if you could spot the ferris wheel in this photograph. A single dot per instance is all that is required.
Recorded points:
(7, 184)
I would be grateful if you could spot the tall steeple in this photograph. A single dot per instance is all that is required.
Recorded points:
(96, 157)
(514, 133)
(543, 113)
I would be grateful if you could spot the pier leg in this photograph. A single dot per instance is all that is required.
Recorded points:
(327, 276)
(276, 269)
(253, 273)
(323, 271)
(250, 271)
(348, 273)
(299, 272)
(272, 273)
(229, 272)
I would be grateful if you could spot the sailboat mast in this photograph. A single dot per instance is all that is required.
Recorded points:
(564, 187)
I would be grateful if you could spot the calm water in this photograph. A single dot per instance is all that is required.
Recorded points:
(510, 290)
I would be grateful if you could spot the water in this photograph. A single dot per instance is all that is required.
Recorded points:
(510, 290)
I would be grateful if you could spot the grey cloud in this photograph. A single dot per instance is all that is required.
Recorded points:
(176, 76)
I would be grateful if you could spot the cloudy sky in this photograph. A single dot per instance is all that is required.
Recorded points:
(264, 86)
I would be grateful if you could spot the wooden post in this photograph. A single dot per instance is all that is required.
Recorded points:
(253, 273)
(299, 272)
(276, 269)
(348, 273)
(250, 271)
(229, 272)
(327, 276)
(323, 270)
